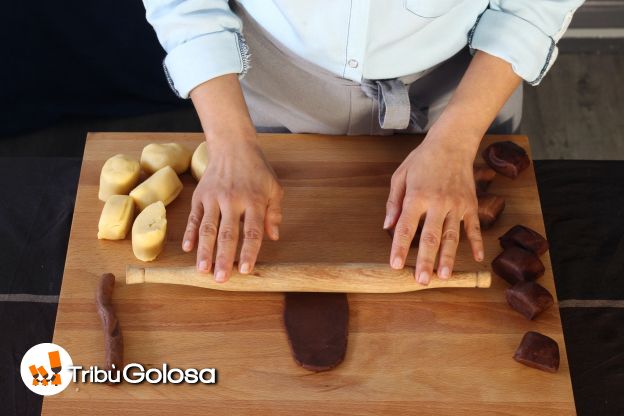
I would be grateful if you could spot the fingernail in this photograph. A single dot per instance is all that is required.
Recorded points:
(445, 273)
(397, 263)
(480, 255)
(220, 276)
(187, 245)
(203, 265)
(387, 222)
(423, 278)
(244, 268)
(275, 232)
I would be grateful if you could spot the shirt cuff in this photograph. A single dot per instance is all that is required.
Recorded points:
(205, 57)
(530, 51)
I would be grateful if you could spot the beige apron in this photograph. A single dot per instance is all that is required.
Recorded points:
(286, 93)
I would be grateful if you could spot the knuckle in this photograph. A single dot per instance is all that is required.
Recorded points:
(228, 195)
(226, 234)
(475, 230)
(451, 236)
(410, 199)
(193, 220)
(395, 178)
(391, 202)
(256, 200)
(223, 261)
(456, 202)
(253, 234)
(429, 239)
(440, 198)
(404, 233)
(425, 263)
(275, 214)
(207, 229)
(447, 257)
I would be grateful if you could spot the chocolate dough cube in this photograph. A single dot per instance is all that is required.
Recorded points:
(538, 351)
(516, 264)
(483, 177)
(529, 298)
(524, 237)
(490, 208)
(506, 158)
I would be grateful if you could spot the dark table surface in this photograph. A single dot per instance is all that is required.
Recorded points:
(582, 202)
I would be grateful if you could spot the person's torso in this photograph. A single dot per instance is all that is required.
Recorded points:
(374, 39)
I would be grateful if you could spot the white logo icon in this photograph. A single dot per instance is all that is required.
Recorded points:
(45, 369)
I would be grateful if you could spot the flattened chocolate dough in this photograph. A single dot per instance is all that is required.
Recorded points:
(317, 328)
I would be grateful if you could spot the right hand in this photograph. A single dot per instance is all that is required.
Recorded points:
(238, 184)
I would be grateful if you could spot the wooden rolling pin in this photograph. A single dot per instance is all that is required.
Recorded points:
(309, 277)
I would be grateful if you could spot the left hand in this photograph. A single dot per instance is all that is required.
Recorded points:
(435, 181)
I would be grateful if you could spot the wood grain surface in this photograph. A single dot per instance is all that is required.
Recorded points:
(432, 352)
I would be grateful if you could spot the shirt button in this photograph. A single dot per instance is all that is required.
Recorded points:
(353, 63)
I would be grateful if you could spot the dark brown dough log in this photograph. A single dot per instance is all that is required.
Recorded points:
(506, 158)
(516, 264)
(490, 207)
(483, 177)
(538, 351)
(113, 340)
(529, 298)
(317, 325)
(524, 237)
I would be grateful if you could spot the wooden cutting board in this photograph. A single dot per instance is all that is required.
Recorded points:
(429, 352)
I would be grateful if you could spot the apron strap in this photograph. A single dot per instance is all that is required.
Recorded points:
(393, 101)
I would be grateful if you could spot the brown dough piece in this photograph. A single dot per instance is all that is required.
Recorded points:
(538, 351)
(524, 237)
(483, 177)
(113, 340)
(516, 264)
(529, 298)
(506, 158)
(489, 208)
(317, 328)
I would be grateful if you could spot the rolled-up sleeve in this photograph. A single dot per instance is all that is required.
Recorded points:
(202, 39)
(524, 33)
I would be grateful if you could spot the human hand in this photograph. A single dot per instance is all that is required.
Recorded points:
(434, 181)
(238, 184)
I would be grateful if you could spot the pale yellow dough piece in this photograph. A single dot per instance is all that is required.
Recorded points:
(119, 175)
(116, 218)
(149, 231)
(156, 156)
(199, 161)
(164, 186)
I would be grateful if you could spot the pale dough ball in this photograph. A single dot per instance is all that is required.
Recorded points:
(199, 161)
(156, 156)
(116, 218)
(119, 175)
(149, 231)
(164, 185)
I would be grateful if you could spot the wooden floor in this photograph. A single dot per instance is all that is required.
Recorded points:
(577, 112)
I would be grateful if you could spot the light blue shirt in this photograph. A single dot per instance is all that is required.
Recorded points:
(355, 39)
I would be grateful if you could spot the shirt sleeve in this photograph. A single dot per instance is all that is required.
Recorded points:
(202, 39)
(524, 33)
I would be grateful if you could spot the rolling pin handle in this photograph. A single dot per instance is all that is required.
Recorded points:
(484, 280)
(135, 274)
